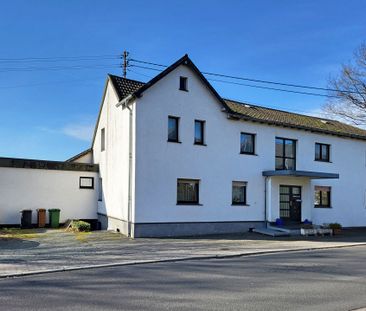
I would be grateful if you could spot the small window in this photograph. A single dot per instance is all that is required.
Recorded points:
(187, 191)
(247, 142)
(239, 193)
(102, 139)
(322, 152)
(100, 190)
(173, 129)
(86, 183)
(322, 197)
(183, 83)
(199, 132)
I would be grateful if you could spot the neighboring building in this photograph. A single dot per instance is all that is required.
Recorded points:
(175, 158)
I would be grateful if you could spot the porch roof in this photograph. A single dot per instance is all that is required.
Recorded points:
(294, 173)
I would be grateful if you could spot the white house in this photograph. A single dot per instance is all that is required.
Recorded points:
(175, 158)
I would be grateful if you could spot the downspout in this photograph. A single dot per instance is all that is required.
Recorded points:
(125, 104)
(265, 201)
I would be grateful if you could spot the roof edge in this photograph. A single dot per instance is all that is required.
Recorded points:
(47, 165)
(79, 155)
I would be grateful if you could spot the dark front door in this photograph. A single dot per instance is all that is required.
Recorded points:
(290, 203)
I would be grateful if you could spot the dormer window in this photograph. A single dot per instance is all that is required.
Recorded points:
(183, 84)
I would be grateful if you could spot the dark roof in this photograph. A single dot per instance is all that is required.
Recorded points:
(79, 155)
(185, 60)
(124, 86)
(270, 116)
(244, 111)
(48, 165)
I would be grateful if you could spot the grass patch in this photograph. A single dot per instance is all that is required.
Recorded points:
(17, 233)
(82, 236)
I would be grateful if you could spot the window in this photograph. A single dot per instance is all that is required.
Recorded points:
(322, 196)
(285, 154)
(86, 183)
(322, 152)
(239, 193)
(100, 190)
(173, 129)
(183, 83)
(247, 143)
(199, 132)
(102, 139)
(187, 191)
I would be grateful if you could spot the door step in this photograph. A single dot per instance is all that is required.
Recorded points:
(271, 232)
(289, 231)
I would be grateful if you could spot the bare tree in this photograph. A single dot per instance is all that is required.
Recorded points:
(348, 101)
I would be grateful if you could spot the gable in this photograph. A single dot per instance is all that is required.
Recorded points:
(239, 110)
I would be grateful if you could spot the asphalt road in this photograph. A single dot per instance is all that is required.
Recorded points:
(314, 280)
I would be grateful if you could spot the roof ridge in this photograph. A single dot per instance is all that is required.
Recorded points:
(280, 110)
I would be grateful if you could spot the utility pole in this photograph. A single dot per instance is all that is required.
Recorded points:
(125, 63)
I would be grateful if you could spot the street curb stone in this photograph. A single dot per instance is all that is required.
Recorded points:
(141, 262)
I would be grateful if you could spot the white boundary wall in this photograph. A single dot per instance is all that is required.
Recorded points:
(39, 188)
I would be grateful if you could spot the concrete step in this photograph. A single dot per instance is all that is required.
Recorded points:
(286, 230)
(270, 232)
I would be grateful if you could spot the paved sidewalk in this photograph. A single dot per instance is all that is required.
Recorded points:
(33, 251)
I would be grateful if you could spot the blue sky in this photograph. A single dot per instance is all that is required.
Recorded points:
(48, 110)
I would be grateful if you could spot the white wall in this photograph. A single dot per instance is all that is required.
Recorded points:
(86, 158)
(113, 162)
(38, 188)
(159, 163)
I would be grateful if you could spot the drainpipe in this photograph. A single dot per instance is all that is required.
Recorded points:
(265, 201)
(125, 104)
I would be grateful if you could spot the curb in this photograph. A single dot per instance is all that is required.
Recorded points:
(142, 262)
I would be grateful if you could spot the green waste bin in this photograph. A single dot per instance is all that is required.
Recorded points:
(54, 217)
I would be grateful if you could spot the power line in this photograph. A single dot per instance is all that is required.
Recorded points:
(270, 106)
(61, 58)
(273, 88)
(147, 63)
(48, 83)
(257, 80)
(252, 85)
(56, 68)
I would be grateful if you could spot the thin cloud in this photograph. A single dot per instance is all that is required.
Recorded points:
(79, 131)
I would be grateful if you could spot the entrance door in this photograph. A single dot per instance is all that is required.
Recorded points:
(290, 203)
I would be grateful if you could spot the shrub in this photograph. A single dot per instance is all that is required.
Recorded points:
(307, 226)
(80, 226)
(335, 225)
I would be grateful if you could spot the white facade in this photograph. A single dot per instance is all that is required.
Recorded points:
(156, 164)
(28, 188)
(114, 160)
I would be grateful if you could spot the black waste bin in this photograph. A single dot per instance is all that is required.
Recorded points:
(26, 220)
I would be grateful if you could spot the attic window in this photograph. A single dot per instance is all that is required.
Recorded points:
(183, 84)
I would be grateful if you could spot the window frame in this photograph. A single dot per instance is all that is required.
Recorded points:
(197, 189)
(321, 159)
(100, 190)
(183, 83)
(102, 139)
(329, 196)
(253, 139)
(284, 157)
(88, 178)
(245, 202)
(202, 126)
(177, 121)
